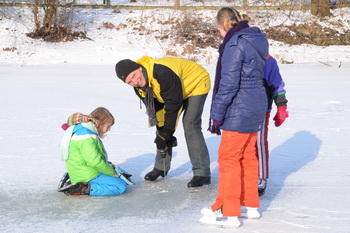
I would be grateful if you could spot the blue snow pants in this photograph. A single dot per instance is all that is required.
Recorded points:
(103, 185)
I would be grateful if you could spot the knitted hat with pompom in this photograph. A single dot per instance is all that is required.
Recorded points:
(77, 118)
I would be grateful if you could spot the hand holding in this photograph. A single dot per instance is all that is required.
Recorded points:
(171, 143)
(111, 164)
(163, 138)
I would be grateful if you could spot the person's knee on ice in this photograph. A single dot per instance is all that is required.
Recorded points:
(85, 156)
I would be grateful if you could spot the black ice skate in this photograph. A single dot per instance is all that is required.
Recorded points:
(154, 174)
(199, 183)
(80, 188)
(64, 181)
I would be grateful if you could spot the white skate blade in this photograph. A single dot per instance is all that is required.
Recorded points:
(199, 189)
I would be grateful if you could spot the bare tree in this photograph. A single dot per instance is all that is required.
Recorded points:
(56, 23)
(50, 14)
(245, 3)
(320, 8)
(177, 4)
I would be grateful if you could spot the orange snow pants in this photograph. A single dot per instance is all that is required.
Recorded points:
(238, 173)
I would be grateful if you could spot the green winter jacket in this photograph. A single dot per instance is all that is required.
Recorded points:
(86, 159)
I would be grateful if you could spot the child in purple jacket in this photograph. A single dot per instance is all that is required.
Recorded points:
(275, 93)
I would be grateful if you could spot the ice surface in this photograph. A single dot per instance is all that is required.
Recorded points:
(309, 179)
(41, 84)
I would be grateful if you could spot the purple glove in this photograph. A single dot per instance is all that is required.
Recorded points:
(214, 127)
(217, 123)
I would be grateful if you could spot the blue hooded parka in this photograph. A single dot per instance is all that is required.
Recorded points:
(241, 101)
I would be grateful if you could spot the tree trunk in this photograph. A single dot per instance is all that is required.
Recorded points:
(320, 8)
(35, 14)
(245, 3)
(177, 4)
(50, 14)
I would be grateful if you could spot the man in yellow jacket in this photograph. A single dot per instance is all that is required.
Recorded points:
(169, 86)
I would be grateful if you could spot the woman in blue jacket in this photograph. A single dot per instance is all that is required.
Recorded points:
(238, 109)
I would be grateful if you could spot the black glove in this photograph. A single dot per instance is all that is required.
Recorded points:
(163, 138)
(172, 142)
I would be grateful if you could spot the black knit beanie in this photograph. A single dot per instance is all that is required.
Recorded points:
(124, 67)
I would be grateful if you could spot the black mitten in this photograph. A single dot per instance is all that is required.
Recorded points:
(162, 139)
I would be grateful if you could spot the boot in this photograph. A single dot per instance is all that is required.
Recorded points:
(198, 181)
(154, 174)
(80, 188)
(64, 180)
(262, 187)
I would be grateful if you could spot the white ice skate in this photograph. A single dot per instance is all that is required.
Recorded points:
(225, 222)
(207, 211)
(249, 212)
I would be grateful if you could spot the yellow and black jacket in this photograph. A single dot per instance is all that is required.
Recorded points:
(172, 80)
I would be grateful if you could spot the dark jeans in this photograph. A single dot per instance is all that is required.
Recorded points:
(197, 149)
